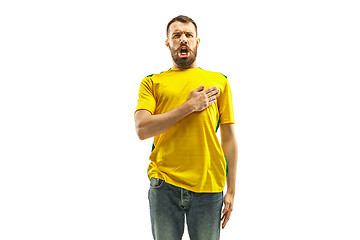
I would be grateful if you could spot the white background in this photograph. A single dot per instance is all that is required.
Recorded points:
(72, 166)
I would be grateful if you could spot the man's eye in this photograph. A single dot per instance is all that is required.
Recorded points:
(176, 35)
(189, 35)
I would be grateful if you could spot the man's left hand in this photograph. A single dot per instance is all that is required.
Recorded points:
(229, 203)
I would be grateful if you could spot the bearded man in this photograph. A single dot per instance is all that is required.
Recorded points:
(182, 108)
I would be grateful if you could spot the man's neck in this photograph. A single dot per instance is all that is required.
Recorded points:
(193, 65)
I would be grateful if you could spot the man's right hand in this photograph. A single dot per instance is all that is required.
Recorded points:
(201, 99)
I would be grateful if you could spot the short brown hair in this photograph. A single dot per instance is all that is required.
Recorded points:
(183, 19)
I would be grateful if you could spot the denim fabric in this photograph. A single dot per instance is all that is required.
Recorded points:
(170, 204)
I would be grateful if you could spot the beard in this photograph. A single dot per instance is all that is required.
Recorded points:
(184, 62)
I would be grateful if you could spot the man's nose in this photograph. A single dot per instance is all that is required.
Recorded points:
(183, 39)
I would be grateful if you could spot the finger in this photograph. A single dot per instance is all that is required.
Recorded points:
(199, 89)
(227, 218)
(212, 102)
(212, 98)
(208, 90)
(213, 94)
(225, 210)
(223, 216)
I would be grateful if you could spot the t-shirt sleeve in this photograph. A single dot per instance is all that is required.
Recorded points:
(225, 104)
(146, 96)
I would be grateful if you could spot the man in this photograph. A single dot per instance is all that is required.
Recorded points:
(182, 109)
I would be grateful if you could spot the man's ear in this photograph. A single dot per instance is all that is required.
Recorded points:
(167, 43)
(197, 41)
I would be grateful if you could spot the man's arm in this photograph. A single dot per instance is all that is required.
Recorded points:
(148, 125)
(229, 146)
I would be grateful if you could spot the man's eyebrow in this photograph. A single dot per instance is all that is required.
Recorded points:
(178, 31)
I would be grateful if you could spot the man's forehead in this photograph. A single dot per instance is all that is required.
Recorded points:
(182, 27)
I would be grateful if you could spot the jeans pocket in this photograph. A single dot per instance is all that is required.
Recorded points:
(156, 183)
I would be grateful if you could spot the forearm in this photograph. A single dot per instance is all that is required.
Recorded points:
(231, 152)
(148, 125)
(152, 125)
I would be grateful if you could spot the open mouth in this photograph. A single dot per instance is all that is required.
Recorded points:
(184, 52)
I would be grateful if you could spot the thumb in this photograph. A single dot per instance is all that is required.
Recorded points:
(199, 89)
(226, 207)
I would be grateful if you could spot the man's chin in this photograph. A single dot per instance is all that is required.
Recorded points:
(184, 62)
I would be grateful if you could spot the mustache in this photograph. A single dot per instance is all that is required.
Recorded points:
(184, 45)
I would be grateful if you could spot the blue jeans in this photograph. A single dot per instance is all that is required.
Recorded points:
(170, 204)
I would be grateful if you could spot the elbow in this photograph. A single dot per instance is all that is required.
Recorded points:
(142, 128)
(141, 133)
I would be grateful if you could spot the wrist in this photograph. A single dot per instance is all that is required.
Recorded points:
(190, 108)
(230, 190)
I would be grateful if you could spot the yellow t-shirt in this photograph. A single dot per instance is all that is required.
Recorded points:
(188, 154)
